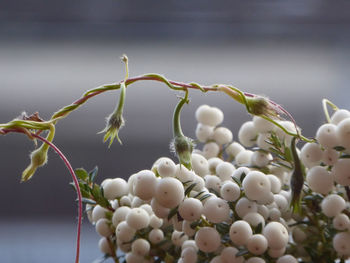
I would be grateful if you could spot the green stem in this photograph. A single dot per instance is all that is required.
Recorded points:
(176, 116)
(121, 99)
(325, 103)
(286, 131)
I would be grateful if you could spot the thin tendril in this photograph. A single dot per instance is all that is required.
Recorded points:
(76, 183)
(75, 180)
(325, 103)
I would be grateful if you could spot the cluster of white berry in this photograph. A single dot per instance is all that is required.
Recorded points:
(234, 205)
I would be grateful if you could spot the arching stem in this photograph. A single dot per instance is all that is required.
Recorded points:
(325, 103)
(76, 184)
(75, 180)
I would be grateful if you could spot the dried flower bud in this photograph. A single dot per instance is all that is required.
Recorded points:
(115, 120)
(261, 106)
(38, 158)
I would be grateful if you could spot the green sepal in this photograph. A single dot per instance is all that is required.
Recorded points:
(81, 174)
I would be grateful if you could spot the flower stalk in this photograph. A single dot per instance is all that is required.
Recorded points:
(182, 145)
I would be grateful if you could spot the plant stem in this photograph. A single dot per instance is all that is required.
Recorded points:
(111, 246)
(176, 116)
(76, 183)
(326, 102)
(175, 85)
(75, 180)
(93, 92)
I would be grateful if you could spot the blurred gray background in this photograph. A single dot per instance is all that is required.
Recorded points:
(296, 52)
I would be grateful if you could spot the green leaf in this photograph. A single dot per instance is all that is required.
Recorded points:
(231, 205)
(204, 197)
(189, 189)
(259, 228)
(275, 151)
(97, 194)
(288, 154)
(81, 174)
(201, 192)
(195, 224)
(88, 201)
(243, 175)
(242, 252)
(275, 140)
(211, 190)
(109, 215)
(222, 228)
(345, 156)
(93, 174)
(173, 212)
(236, 180)
(85, 190)
(339, 148)
(187, 182)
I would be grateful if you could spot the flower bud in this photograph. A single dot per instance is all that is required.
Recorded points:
(183, 147)
(261, 106)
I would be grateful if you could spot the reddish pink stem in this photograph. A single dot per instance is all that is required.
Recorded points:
(76, 183)
(75, 180)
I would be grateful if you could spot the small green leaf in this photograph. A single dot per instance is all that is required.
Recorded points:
(204, 197)
(211, 190)
(236, 180)
(81, 174)
(231, 205)
(201, 192)
(309, 198)
(173, 212)
(259, 228)
(195, 224)
(187, 182)
(85, 192)
(243, 175)
(242, 252)
(222, 228)
(288, 154)
(189, 189)
(93, 174)
(95, 191)
(97, 194)
(109, 215)
(88, 201)
(339, 148)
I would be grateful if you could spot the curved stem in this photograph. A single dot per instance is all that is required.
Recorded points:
(325, 103)
(176, 117)
(286, 131)
(76, 183)
(75, 180)
(96, 91)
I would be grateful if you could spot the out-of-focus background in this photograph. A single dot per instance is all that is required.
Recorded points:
(296, 52)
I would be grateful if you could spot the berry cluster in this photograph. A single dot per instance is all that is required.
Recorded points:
(235, 203)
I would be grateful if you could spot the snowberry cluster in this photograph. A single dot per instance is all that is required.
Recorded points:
(235, 205)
